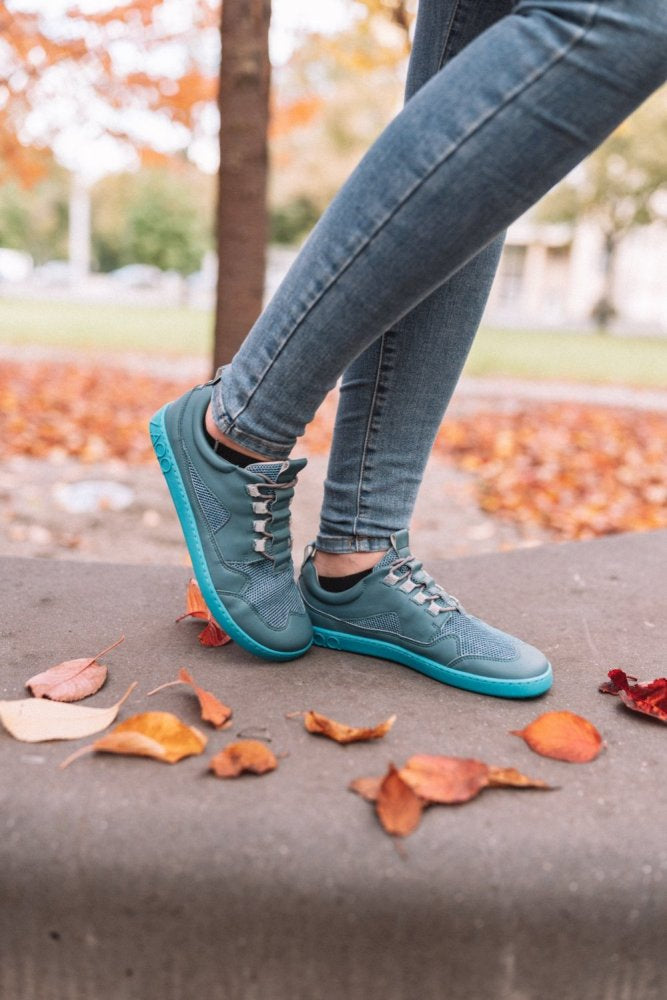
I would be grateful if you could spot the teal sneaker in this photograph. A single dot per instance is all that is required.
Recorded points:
(236, 526)
(399, 613)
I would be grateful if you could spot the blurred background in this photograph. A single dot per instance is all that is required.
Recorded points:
(134, 253)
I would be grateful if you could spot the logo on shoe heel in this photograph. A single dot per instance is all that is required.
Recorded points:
(160, 449)
(328, 641)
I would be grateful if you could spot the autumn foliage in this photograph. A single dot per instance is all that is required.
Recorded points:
(74, 53)
(577, 470)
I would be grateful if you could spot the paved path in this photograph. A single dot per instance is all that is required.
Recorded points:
(127, 879)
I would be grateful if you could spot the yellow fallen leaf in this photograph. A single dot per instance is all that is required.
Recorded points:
(160, 735)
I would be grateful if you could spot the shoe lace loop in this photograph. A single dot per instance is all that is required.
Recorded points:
(407, 572)
(273, 500)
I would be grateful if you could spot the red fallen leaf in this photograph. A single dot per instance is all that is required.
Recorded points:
(563, 736)
(618, 681)
(398, 807)
(648, 698)
(71, 680)
(213, 635)
(244, 755)
(196, 607)
(212, 709)
(444, 779)
(341, 733)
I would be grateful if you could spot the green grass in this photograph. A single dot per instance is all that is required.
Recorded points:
(581, 357)
(106, 327)
(535, 354)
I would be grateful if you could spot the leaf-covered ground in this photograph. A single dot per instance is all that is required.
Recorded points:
(571, 469)
(578, 470)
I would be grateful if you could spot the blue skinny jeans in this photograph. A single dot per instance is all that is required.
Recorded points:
(503, 99)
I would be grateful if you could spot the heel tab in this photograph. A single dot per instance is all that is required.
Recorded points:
(308, 553)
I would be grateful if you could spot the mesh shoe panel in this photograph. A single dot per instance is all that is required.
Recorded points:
(272, 595)
(475, 638)
(214, 512)
(388, 621)
(269, 469)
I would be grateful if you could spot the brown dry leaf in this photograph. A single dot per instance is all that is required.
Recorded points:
(244, 755)
(212, 709)
(400, 796)
(34, 720)
(71, 680)
(509, 777)
(445, 780)
(160, 735)
(338, 731)
(398, 807)
(368, 788)
(212, 634)
(563, 736)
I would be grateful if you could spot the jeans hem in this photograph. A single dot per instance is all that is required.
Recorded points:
(352, 543)
(227, 426)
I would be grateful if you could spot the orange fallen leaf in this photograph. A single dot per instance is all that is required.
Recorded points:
(244, 755)
(160, 735)
(563, 736)
(212, 634)
(446, 780)
(338, 731)
(368, 788)
(71, 680)
(398, 807)
(212, 709)
(195, 603)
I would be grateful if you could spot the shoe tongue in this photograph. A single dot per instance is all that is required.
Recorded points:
(400, 547)
(279, 471)
(401, 542)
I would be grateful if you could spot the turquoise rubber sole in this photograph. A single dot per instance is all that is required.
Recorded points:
(528, 688)
(172, 475)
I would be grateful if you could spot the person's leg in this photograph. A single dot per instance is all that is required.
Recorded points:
(491, 132)
(382, 435)
(481, 141)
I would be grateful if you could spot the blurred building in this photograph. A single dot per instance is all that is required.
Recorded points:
(552, 276)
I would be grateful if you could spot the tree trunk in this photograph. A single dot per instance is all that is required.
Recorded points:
(604, 310)
(241, 217)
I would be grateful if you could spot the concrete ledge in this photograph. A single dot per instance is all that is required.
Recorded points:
(125, 879)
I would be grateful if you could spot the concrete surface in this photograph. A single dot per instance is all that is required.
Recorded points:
(127, 879)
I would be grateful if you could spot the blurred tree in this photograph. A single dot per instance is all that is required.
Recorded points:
(291, 222)
(35, 220)
(620, 186)
(329, 103)
(132, 78)
(157, 216)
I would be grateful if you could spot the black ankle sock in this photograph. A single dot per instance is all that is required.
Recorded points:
(336, 584)
(229, 454)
